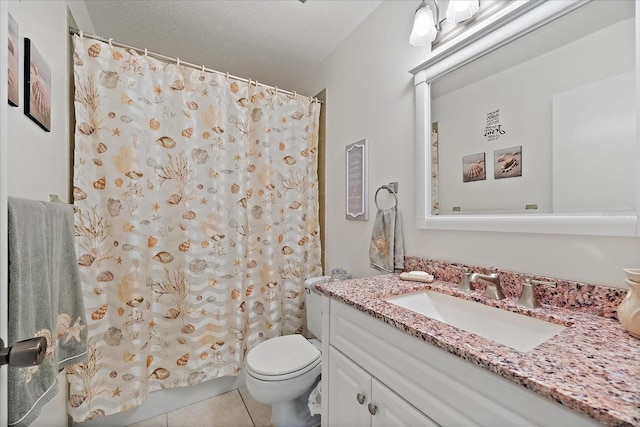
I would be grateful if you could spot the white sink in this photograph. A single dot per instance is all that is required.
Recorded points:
(517, 331)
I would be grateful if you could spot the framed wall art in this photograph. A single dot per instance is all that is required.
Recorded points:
(12, 63)
(357, 160)
(37, 86)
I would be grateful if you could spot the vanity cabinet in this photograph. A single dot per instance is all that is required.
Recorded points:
(357, 399)
(417, 382)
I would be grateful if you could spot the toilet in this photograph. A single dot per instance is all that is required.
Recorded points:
(283, 371)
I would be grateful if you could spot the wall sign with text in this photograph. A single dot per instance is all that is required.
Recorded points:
(357, 165)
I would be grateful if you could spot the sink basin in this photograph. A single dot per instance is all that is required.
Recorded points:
(517, 331)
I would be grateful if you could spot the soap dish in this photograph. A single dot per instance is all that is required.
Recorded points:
(417, 276)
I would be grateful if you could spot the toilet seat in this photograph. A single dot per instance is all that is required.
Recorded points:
(282, 358)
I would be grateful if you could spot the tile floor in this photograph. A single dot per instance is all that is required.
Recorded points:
(233, 409)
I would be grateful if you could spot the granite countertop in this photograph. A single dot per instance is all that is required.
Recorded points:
(592, 367)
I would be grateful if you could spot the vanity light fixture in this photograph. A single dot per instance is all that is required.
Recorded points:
(425, 25)
(461, 10)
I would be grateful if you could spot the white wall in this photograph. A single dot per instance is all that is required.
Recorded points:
(4, 303)
(37, 162)
(370, 95)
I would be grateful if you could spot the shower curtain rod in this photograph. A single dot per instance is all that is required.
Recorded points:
(111, 42)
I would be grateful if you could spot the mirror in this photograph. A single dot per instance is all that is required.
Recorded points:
(518, 128)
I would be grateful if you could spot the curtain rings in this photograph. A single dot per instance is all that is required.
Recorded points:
(177, 62)
(81, 35)
(227, 75)
(111, 44)
(203, 68)
(146, 54)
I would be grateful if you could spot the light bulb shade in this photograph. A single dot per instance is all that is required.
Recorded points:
(424, 27)
(461, 10)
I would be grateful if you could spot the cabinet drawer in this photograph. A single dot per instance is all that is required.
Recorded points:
(447, 388)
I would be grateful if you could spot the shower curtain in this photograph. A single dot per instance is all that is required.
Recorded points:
(197, 222)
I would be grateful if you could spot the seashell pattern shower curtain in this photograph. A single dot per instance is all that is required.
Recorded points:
(197, 222)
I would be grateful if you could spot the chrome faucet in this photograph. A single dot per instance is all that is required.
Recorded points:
(493, 290)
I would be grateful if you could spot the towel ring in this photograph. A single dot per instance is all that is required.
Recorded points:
(390, 190)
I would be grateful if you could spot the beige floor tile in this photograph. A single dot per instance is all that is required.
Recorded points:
(259, 412)
(225, 410)
(159, 421)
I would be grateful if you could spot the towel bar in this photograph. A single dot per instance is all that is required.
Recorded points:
(25, 353)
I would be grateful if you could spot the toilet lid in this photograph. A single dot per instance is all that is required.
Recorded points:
(282, 355)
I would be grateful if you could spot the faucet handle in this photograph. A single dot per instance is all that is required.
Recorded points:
(528, 297)
(465, 284)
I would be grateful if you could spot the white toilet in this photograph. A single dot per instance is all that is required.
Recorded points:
(283, 371)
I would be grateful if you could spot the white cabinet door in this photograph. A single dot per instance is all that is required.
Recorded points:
(356, 399)
(391, 410)
(349, 385)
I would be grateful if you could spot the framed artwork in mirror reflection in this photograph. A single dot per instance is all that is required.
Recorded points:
(474, 168)
(507, 163)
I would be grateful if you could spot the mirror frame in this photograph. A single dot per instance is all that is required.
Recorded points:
(497, 30)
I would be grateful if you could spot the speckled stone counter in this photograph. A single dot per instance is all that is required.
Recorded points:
(592, 367)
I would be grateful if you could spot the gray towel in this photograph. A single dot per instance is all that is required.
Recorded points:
(45, 299)
(386, 251)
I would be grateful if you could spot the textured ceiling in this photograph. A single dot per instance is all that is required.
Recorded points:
(272, 41)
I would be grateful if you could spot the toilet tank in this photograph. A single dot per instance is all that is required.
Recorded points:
(313, 304)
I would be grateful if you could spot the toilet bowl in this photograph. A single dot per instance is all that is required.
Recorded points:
(283, 371)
